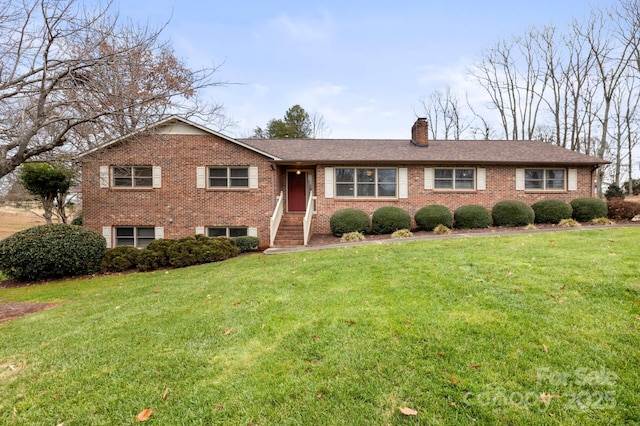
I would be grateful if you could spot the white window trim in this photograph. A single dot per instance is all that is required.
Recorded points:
(156, 180)
(376, 183)
(227, 230)
(203, 178)
(432, 177)
(112, 241)
(522, 186)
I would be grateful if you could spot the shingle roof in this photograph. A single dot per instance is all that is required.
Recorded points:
(403, 151)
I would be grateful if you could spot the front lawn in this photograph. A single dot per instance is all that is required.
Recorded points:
(525, 329)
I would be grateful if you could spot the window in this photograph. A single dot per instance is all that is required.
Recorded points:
(136, 236)
(454, 179)
(544, 179)
(366, 182)
(226, 231)
(132, 176)
(228, 177)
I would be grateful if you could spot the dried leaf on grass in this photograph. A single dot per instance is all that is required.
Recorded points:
(408, 411)
(228, 331)
(144, 415)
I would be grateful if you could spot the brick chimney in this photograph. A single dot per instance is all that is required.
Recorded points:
(420, 133)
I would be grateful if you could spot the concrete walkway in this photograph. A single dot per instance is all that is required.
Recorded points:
(488, 233)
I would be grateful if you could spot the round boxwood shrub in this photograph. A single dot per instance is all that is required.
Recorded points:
(161, 248)
(349, 220)
(512, 213)
(148, 260)
(51, 251)
(552, 211)
(199, 249)
(427, 218)
(472, 216)
(247, 243)
(586, 209)
(120, 259)
(386, 220)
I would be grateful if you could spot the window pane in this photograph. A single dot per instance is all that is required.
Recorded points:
(387, 175)
(217, 172)
(386, 190)
(555, 179)
(366, 190)
(533, 174)
(464, 178)
(443, 173)
(443, 179)
(143, 242)
(344, 175)
(344, 189)
(239, 177)
(217, 232)
(146, 232)
(240, 173)
(124, 232)
(143, 176)
(124, 236)
(122, 176)
(534, 179)
(125, 241)
(366, 175)
(237, 232)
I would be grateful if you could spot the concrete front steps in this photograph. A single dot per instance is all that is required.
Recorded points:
(290, 232)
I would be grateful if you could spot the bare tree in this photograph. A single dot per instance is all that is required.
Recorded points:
(445, 115)
(69, 75)
(319, 128)
(612, 56)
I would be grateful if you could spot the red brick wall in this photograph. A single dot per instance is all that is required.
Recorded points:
(178, 205)
(501, 185)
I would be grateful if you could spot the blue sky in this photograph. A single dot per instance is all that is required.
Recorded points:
(364, 66)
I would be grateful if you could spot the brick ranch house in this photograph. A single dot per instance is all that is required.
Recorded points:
(178, 178)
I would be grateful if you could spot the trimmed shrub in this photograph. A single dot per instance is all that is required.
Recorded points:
(352, 237)
(386, 220)
(77, 220)
(161, 248)
(148, 260)
(472, 216)
(402, 233)
(199, 249)
(586, 209)
(349, 220)
(51, 251)
(614, 191)
(120, 259)
(512, 213)
(551, 211)
(622, 210)
(246, 244)
(429, 217)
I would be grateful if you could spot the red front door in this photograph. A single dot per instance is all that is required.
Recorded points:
(296, 191)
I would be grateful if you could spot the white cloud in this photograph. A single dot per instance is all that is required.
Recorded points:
(302, 29)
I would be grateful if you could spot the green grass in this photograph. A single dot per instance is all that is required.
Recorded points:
(465, 331)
